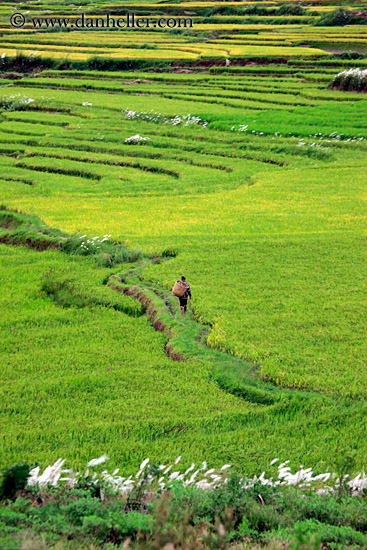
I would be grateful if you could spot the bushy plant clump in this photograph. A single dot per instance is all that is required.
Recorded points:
(353, 80)
(16, 102)
(106, 252)
(339, 18)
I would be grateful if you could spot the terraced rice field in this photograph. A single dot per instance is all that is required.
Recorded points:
(215, 30)
(252, 181)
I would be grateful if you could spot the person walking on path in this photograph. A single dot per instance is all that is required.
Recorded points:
(184, 297)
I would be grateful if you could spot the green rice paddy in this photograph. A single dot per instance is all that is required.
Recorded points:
(252, 178)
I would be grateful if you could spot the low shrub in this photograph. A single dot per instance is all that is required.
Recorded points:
(147, 46)
(291, 9)
(353, 80)
(329, 533)
(13, 479)
(169, 253)
(107, 253)
(15, 103)
(339, 18)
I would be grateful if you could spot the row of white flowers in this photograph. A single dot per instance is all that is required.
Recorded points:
(333, 136)
(201, 477)
(158, 118)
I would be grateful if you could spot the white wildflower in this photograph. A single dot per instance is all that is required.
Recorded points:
(142, 466)
(97, 461)
(136, 139)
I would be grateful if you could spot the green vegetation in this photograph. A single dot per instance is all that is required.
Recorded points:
(352, 80)
(268, 224)
(187, 517)
(229, 152)
(339, 18)
(20, 229)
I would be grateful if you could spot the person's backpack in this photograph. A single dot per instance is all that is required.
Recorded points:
(179, 288)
